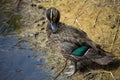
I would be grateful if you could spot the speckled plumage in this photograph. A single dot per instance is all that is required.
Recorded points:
(67, 38)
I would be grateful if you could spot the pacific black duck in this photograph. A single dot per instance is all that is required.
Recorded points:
(73, 43)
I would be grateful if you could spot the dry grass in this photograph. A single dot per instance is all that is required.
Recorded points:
(95, 17)
(100, 19)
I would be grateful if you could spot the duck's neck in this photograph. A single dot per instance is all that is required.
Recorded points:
(48, 29)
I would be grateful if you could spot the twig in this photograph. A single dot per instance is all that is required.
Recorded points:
(58, 74)
(78, 22)
(77, 15)
(115, 37)
(109, 73)
(96, 19)
(81, 7)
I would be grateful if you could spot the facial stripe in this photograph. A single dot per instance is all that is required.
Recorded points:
(51, 14)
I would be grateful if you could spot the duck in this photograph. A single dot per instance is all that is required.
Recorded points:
(74, 44)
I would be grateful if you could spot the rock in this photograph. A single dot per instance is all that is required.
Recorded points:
(113, 26)
(33, 5)
(40, 7)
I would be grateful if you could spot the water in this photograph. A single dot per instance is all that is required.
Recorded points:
(19, 62)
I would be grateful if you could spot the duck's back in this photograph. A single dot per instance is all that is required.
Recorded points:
(66, 33)
(67, 38)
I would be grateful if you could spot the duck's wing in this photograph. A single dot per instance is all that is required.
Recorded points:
(71, 38)
(81, 38)
(101, 57)
(95, 53)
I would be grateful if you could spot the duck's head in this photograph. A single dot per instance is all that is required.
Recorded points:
(53, 16)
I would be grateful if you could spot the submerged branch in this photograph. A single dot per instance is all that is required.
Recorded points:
(59, 73)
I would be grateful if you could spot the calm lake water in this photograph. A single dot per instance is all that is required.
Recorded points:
(19, 62)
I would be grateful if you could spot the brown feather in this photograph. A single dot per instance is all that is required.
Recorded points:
(67, 38)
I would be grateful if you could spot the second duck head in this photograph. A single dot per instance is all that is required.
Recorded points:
(53, 16)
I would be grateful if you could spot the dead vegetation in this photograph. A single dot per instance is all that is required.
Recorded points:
(100, 19)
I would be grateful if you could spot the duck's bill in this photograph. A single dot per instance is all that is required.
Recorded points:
(54, 27)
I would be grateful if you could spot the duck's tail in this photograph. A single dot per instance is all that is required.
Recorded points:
(105, 60)
(101, 57)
